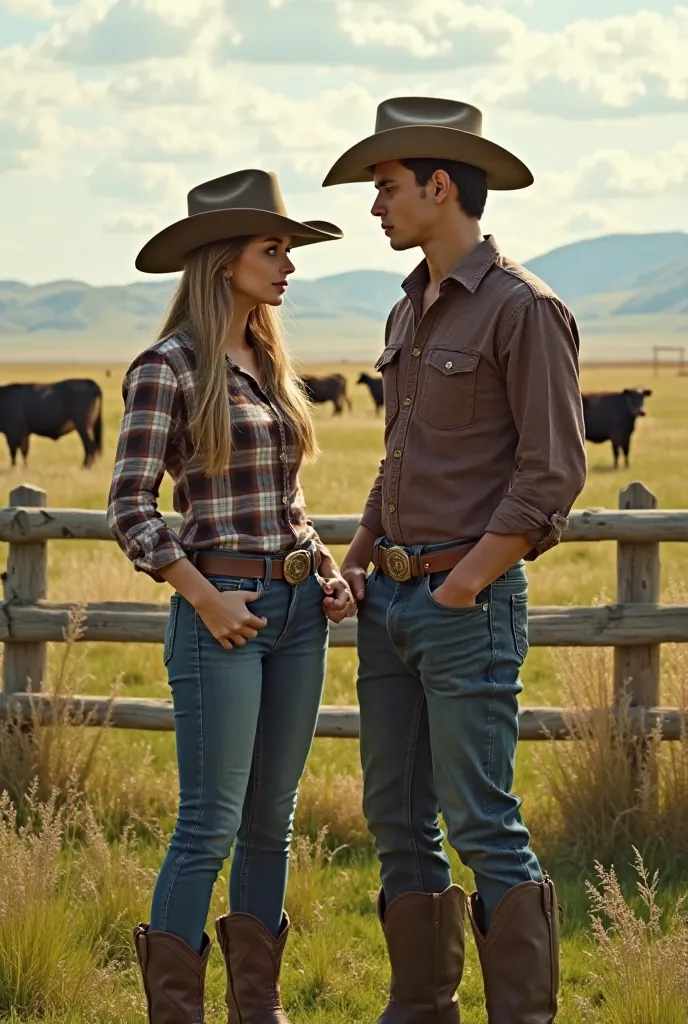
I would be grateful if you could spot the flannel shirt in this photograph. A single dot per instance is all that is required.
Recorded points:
(256, 507)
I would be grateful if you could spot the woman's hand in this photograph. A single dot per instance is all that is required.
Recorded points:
(339, 602)
(228, 618)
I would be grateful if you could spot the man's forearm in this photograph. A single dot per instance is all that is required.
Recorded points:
(360, 551)
(492, 555)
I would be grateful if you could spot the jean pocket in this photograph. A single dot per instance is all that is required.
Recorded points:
(226, 584)
(519, 622)
(430, 585)
(170, 629)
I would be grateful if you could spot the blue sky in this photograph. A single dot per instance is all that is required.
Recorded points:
(110, 110)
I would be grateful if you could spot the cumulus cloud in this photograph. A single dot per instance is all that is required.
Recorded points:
(43, 10)
(130, 222)
(106, 32)
(150, 183)
(615, 67)
(616, 173)
(387, 35)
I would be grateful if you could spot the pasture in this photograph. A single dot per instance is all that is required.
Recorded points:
(99, 881)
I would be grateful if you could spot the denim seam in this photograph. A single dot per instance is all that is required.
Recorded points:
(291, 617)
(490, 716)
(408, 784)
(251, 818)
(185, 854)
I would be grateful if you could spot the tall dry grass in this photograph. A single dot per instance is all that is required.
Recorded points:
(641, 959)
(612, 789)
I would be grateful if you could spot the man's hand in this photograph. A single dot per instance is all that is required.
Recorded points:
(358, 558)
(339, 603)
(454, 597)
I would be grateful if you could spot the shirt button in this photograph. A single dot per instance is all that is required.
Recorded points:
(392, 508)
(397, 453)
(407, 401)
(283, 457)
(415, 352)
(448, 365)
(285, 501)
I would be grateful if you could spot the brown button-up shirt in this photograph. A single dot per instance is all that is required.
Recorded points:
(483, 413)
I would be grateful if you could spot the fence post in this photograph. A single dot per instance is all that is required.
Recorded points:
(636, 669)
(26, 580)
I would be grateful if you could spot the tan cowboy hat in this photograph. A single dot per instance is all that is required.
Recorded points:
(414, 126)
(242, 203)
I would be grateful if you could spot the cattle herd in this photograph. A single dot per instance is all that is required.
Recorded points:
(53, 410)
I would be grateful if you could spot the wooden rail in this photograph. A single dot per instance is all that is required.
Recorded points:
(635, 627)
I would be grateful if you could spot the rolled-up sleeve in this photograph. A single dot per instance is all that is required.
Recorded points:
(538, 353)
(151, 398)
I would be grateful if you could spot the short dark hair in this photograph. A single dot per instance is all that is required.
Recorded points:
(471, 181)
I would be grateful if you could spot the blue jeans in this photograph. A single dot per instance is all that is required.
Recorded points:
(438, 691)
(244, 722)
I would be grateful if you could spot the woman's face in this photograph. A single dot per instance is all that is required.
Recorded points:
(259, 273)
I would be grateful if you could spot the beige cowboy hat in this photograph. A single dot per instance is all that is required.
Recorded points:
(243, 203)
(415, 126)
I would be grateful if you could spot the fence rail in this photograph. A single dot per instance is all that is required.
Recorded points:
(635, 626)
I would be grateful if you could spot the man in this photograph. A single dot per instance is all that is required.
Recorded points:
(484, 459)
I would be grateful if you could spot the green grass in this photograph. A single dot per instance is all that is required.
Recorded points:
(336, 969)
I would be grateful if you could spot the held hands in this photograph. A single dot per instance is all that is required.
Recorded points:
(228, 618)
(339, 603)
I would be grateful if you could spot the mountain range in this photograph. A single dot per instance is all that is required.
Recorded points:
(627, 292)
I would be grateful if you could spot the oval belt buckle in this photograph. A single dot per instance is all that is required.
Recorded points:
(297, 566)
(398, 564)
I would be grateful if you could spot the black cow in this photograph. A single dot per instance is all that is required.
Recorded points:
(52, 410)
(611, 416)
(328, 389)
(375, 387)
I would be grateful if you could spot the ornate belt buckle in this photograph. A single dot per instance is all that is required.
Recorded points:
(397, 564)
(297, 566)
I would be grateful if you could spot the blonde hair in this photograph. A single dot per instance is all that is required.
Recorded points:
(201, 308)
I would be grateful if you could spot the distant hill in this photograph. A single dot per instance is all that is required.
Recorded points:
(626, 291)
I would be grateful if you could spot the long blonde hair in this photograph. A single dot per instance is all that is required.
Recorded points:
(201, 309)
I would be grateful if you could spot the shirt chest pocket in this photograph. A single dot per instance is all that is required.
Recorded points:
(448, 394)
(387, 366)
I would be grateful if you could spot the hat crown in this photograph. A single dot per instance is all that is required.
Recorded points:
(408, 111)
(243, 190)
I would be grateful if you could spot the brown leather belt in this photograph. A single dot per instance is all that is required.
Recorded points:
(401, 565)
(293, 568)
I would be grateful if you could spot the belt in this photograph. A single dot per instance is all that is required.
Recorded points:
(401, 565)
(293, 568)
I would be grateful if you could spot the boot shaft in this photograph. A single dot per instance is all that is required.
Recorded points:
(253, 958)
(519, 955)
(173, 976)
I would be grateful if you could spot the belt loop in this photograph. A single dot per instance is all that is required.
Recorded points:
(416, 555)
(268, 573)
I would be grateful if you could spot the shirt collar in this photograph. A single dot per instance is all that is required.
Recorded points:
(469, 271)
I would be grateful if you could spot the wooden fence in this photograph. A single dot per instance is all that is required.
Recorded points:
(635, 626)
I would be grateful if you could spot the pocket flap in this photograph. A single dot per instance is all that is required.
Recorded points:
(449, 361)
(390, 353)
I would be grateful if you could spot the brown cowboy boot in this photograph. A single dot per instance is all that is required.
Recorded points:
(253, 957)
(520, 954)
(425, 941)
(173, 976)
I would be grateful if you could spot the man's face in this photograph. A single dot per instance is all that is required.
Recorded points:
(406, 210)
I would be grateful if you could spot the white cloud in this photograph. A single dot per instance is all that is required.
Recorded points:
(156, 184)
(43, 10)
(130, 222)
(617, 173)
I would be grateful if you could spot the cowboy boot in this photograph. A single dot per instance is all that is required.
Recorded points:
(519, 955)
(425, 941)
(253, 957)
(173, 976)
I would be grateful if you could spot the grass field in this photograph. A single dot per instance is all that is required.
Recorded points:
(336, 969)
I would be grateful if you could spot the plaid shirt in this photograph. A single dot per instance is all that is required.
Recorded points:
(256, 507)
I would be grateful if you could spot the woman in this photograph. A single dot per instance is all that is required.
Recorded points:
(215, 402)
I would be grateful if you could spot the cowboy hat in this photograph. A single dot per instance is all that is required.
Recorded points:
(413, 126)
(243, 203)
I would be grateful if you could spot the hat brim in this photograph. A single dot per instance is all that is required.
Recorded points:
(504, 170)
(166, 252)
